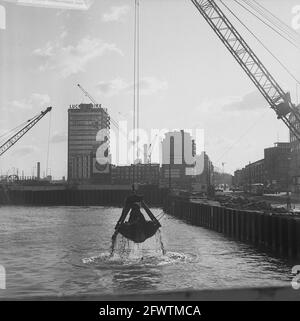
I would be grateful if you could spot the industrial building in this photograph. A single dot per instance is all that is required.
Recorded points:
(140, 173)
(277, 166)
(84, 123)
(178, 152)
(255, 172)
(273, 171)
(295, 156)
(181, 167)
(204, 180)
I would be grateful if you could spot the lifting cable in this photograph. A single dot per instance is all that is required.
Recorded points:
(254, 124)
(276, 21)
(48, 147)
(264, 46)
(267, 24)
(134, 91)
(136, 87)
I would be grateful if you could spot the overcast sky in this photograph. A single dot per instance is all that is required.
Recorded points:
(188, 79)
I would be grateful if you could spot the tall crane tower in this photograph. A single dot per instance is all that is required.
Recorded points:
(278, 99)
(17, 136)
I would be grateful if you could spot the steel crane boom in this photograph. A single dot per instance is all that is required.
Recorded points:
(279, 100)
(16, 137)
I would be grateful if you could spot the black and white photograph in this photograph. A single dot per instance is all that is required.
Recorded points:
(150, 151)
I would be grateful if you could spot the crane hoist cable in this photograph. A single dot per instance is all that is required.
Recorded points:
(48, 146)
(271, 18)
(95, 103)
(267, 24)
(136, 86)
(269, 21)
(278, 99)
(278, 22)
(138, 77)
(264, 46)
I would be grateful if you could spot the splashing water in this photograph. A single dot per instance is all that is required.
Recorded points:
(159, 239)
(126, 249)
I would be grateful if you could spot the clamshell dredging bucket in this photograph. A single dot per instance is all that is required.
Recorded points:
(138, 232)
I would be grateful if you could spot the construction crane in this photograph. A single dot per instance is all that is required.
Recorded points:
(95, 103)
(150, 148)
(88, 95)
(16, 137)
(278, 99)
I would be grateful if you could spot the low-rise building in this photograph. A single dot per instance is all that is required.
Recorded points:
(138, 173)
(255, 172)
(277, 166)
(295, 155)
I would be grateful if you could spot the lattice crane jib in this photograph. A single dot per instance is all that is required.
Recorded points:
(279, 100)
(17, 136)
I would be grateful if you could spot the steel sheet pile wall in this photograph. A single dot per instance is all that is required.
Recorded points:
(279, 234)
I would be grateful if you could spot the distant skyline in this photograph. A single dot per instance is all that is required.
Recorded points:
(188, 78)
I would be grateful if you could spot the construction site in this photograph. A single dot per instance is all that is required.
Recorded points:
(255, 204)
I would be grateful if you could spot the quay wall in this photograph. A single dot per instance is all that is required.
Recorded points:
(278, 234)
(88, 195)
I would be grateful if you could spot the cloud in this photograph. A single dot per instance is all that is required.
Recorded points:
(249, 102)
(147, 85)
(72, 59)
(115, 14)
(63, 34)
(59, 137)
(24, 150)
(34, 101)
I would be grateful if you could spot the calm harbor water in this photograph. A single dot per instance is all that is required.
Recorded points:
(65, 251)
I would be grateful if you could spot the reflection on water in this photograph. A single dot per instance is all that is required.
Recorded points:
(66, 251)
